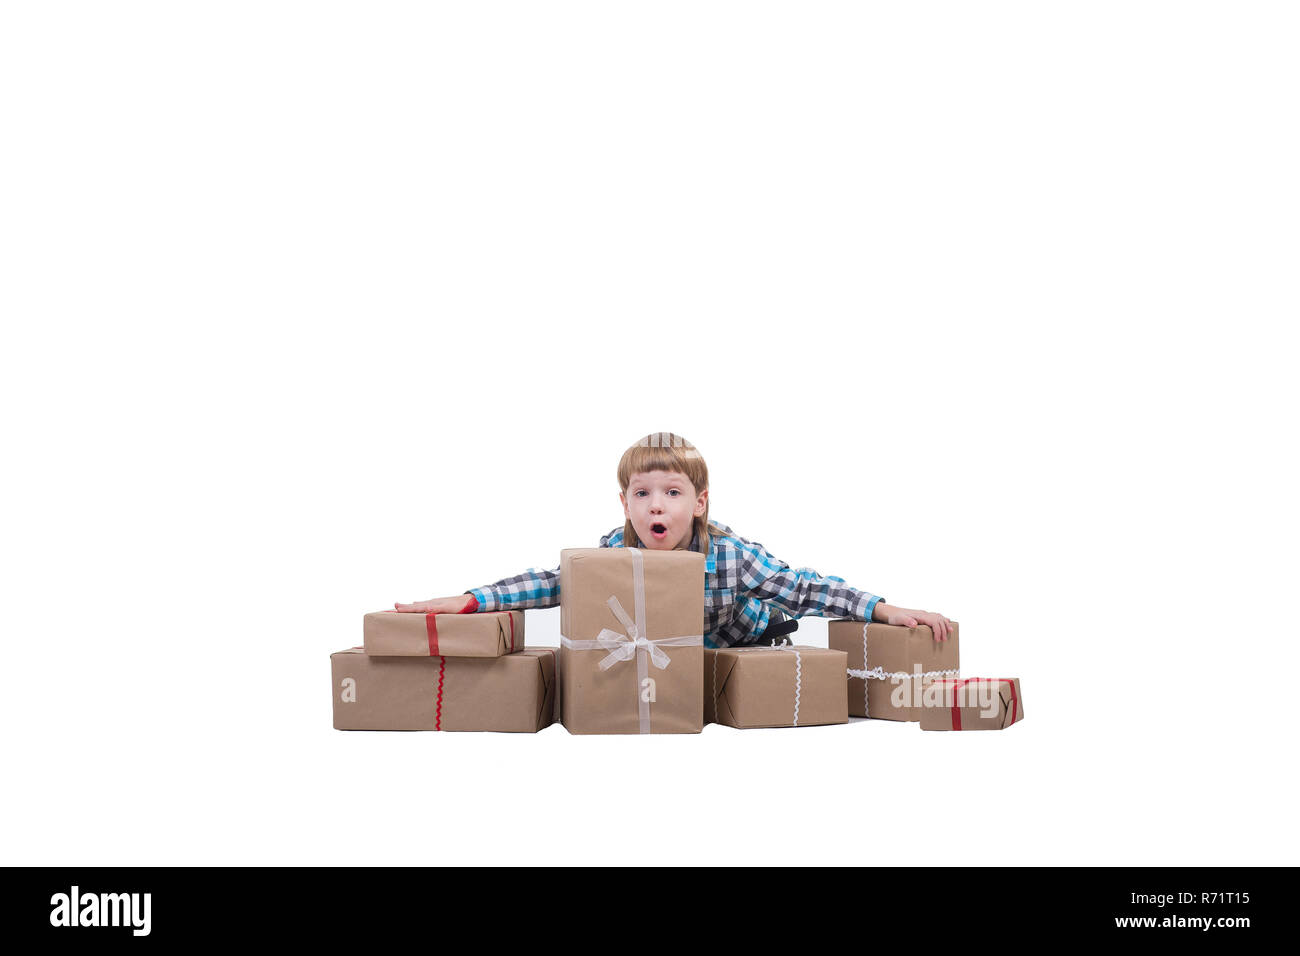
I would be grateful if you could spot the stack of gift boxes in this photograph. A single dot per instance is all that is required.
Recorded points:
(632, 660)
(444, 672)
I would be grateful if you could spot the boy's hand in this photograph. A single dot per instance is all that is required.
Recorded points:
(906, 617)
(460, 604)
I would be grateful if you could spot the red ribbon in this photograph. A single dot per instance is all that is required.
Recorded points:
(956, 710)
(442, 670)
(511, 615)
(431, 628)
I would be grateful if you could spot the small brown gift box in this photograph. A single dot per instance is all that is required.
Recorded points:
(515, 692)
(972, 703)
(399, 634)
(631, 641)
(787, 686)
(889, 666)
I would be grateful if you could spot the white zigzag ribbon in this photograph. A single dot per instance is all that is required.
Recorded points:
(879, 673)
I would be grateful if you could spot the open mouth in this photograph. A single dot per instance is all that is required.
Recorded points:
(659, 530)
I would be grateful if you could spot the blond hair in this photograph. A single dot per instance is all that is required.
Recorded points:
(664, 451)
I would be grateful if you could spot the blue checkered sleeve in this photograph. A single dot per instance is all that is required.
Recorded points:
(799, 591)
(533, 588)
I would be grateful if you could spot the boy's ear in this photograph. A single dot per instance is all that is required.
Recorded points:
(701, 502)
(622, 499)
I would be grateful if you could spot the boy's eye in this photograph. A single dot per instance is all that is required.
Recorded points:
(638, 494)
(674, 492)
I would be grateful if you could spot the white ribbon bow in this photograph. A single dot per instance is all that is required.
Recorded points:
(622, 647)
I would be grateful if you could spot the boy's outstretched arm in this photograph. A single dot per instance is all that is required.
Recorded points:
(534, 588)
(804, 591)
(460, 604)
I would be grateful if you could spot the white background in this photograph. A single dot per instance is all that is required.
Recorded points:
(313, 307)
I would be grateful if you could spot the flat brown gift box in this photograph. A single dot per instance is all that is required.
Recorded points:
(400, 634)
(939, 697)
(755, 686)
(607, 702)
(893, 649)
(514, 693)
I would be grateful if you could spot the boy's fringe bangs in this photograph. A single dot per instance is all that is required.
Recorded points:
(638, 459)
(663, 451)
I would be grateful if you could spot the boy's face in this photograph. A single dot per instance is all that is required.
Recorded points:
(661, 506)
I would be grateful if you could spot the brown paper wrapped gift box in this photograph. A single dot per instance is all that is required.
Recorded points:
(789, 686)
(515, 692)
(972, 703)
(397, 634)
(629, 596)
(892, 656)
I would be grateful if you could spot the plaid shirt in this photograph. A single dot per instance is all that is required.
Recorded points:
(742, 585)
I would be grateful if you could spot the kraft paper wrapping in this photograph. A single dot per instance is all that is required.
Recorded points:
(661, 595)
(885, 660)
(514, 693)
(786, 686)
(399, 634)
(972, 703)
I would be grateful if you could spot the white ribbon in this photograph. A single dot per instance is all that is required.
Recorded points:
(866, 703)
(798, 676)
(632, 642)
(876, 673)
(879, 673)
(621, 647)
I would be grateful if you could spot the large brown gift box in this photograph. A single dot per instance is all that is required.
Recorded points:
(515, 692)
(972, 703)
(631, 641)
(787, 686)
(400, 634)
(889, 666)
